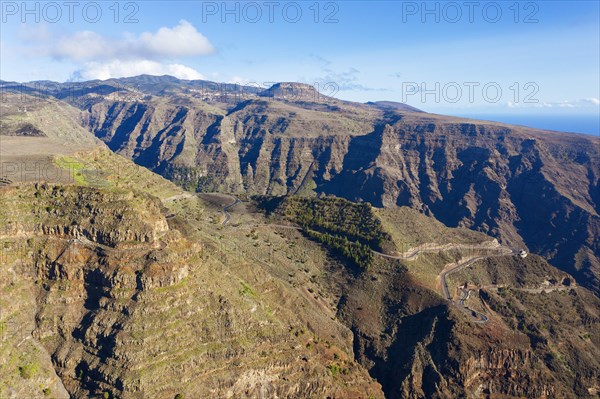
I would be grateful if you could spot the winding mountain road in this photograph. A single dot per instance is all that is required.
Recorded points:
(412, 253)
(459, 266)
(539, 290)
(227, 208)
(477, 317)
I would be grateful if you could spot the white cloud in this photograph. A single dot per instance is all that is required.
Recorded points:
(105, 57)
(84, 45)
(182, 40)
(37, 33)
(581, 103)
(120, 69)
(593, 101)
(238, 80)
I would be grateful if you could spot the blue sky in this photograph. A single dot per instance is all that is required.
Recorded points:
(448, 57)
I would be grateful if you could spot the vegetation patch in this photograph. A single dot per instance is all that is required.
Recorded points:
(28, 370)
(76, 168)
(337, 216)
(246, 290)
(359, 254)
(191, 178)
(347, 229)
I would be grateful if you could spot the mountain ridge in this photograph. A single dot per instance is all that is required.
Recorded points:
(529, 188)
(116, 282)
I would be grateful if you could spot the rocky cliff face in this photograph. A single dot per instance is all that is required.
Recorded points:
(419, 346)
(108, 290)
(540, 328)
(428, 351)
(529, 188)
(101, 297)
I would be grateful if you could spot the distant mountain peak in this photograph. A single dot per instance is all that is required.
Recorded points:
(392, 106)
(152, 78)
(294, 91)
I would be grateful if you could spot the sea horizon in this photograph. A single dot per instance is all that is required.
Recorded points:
(583, 124)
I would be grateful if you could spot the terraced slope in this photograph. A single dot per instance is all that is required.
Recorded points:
(417, 344)
(529, 188)
(123, 293)
(115, 282)
(113, 300)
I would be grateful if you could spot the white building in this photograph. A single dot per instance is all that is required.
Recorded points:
(523, 253)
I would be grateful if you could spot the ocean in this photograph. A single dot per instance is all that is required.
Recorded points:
(586, 124)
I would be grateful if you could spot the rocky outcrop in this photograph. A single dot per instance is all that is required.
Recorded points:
(417, 346)
(116, 300)
(119, 304)
(529, 188)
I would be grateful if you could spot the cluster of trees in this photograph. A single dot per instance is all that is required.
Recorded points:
(359, 254)
(191, 178)
(337, 216)
(346, 228)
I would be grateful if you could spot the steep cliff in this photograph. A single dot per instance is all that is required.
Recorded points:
(539, 338)
(529, 188)
(120, 284)
(111, 300)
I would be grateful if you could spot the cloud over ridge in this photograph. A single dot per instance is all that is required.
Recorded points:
(120, 69)
(103, 57)
(182, 40)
